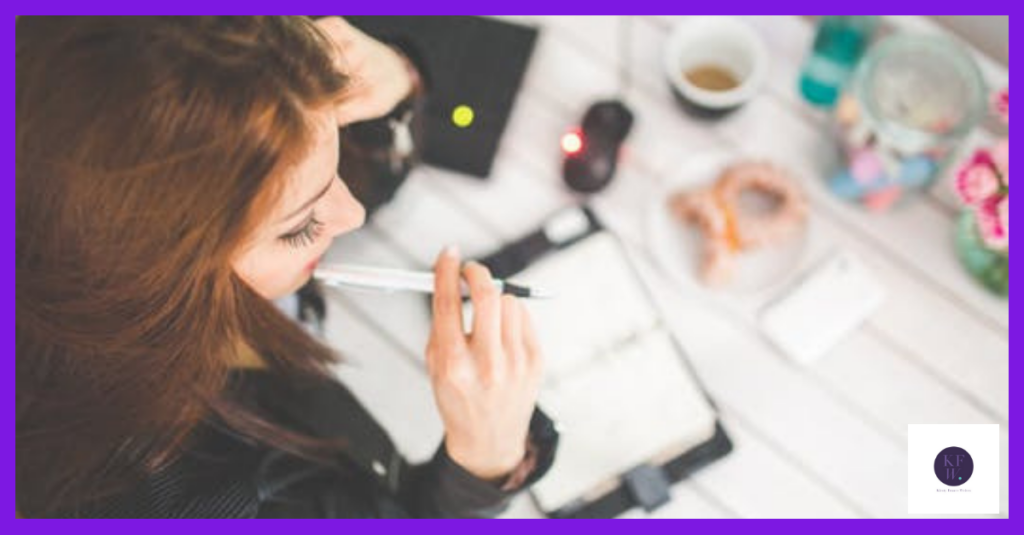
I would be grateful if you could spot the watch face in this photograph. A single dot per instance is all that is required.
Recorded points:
(402, 144)
(377, 155)
(373, 175)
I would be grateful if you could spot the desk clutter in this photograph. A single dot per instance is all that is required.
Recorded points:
(901, 105)
(633, 415)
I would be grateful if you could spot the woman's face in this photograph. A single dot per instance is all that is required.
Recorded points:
(313, 208)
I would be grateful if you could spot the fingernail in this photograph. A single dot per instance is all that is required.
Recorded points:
(451, 251)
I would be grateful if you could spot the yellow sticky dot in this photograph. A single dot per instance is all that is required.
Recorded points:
(462, 116)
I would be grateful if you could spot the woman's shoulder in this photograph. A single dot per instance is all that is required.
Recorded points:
(223, 474)
(212, 477)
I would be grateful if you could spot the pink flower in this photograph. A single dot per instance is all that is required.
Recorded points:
(1004, 214)
(1001, 103)
(1001, 159)
(977, 180)
(993, 217)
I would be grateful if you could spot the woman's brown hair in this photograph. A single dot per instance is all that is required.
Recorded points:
(147, 150)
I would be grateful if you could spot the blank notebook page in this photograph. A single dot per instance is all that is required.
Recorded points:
(615, 381)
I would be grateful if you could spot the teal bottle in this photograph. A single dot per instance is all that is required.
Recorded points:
(838, 45)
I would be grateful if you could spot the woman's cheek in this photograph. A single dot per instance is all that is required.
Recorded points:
(275, 274)
(289, 281)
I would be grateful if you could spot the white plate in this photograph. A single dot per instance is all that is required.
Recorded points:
(678, 247)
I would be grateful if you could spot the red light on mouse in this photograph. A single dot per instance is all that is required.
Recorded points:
(572, 143)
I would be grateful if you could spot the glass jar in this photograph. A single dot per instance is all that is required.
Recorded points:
(988, 266)
(910, 102)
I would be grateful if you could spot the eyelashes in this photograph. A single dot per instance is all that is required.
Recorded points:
(304, 236)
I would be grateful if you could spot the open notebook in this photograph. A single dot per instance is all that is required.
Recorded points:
(616, 380)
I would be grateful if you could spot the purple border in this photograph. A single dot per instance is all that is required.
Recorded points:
(419, 7)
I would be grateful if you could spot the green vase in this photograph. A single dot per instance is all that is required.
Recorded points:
(989, 267)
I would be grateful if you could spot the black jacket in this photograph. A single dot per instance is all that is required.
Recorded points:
(222, 474)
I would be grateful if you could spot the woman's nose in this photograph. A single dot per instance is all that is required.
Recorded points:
(350, 212)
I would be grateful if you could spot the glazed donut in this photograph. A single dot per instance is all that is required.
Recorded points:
(772, 226)
(727, 228)
(701, 209)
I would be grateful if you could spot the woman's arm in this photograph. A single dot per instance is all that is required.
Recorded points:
(486, 385)
(442, 488)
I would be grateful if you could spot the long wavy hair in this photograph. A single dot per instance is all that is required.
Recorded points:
(148, 149)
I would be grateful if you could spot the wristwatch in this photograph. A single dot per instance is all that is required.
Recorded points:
(376, 155)
(400, 123)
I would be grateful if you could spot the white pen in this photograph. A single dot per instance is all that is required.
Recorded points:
(392, 280)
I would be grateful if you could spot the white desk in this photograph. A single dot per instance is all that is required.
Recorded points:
(827, 440)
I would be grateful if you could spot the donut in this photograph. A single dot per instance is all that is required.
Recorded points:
(718, 250)
(769, 227)
(728, 228)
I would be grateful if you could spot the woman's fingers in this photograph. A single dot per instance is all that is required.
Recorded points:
(447, 301)
(512, 330)
(486, 307)
(503, 341)
(534, 356)
(487, 389)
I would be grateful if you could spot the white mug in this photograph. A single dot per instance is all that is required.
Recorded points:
(723, 42)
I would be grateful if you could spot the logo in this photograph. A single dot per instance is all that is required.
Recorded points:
(954, 466)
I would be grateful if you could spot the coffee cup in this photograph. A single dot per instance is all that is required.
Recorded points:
(715, 64)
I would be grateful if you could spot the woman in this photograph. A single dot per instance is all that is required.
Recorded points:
(174, 176)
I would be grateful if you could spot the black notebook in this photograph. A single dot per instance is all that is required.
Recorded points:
(470, 62)
(631, 413)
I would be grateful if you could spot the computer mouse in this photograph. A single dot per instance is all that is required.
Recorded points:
(592, 152)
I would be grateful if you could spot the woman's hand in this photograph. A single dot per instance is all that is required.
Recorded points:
(485, 383)
(379, 78)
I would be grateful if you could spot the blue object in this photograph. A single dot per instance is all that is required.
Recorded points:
(845, 186)
(916, 171)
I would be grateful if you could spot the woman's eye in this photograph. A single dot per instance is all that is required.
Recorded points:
(304, 236)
